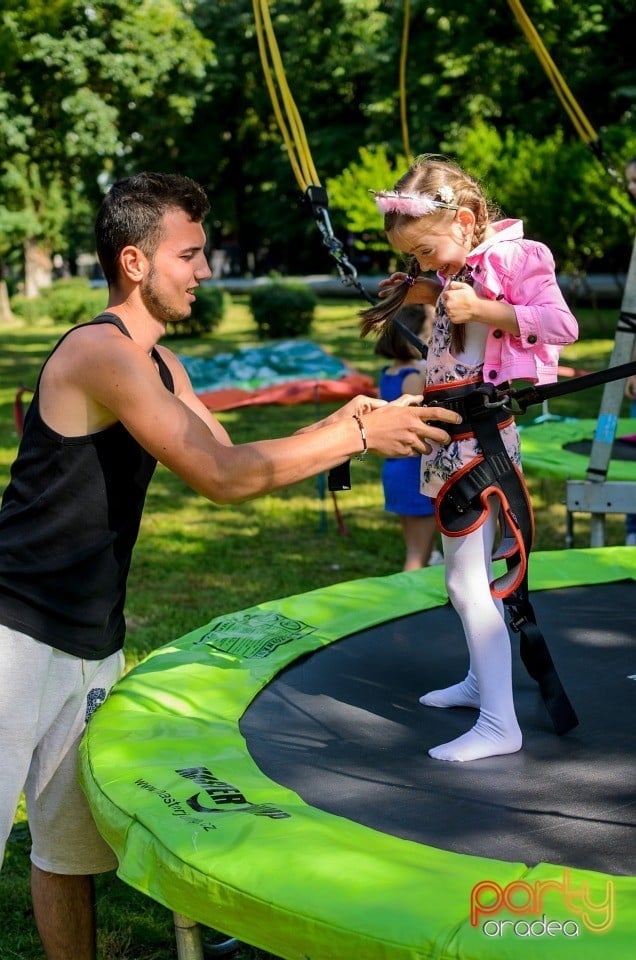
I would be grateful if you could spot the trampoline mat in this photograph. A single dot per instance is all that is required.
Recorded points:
(343, 728)
(621, 449)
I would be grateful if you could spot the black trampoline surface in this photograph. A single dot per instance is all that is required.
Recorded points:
(621, 449)
(343, 728)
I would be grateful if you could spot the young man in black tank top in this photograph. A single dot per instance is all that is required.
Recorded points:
(109, 404)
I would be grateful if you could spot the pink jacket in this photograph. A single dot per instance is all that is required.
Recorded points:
(522, 273)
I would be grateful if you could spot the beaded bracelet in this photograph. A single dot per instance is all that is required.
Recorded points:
(363, 432)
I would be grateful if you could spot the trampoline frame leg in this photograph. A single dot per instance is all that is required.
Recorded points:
(188, 937)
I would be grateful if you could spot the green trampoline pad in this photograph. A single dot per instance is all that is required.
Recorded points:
(199, 828)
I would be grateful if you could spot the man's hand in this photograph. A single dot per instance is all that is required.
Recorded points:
(400, 429)
(358, 406)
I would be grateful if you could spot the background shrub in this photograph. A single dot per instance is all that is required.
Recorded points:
(282, 310)
(29, 309)
(66, 302)
(73, 300)
(208, 310)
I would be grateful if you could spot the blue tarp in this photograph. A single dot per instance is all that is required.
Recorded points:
(250, 368)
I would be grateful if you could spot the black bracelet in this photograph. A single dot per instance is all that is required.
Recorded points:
(363, 433)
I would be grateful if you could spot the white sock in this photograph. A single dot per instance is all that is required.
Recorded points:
(463, 694)
(490, 737)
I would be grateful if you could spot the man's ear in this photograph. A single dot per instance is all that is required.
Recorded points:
(133, 263)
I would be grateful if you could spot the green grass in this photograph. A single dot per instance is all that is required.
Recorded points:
(195, 560)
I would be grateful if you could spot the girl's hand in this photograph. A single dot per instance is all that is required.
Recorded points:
(386, 286)
(464, 305)
(461, 302)
(630, 387)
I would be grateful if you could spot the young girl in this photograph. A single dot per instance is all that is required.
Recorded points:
(499, 315)
(401, 475)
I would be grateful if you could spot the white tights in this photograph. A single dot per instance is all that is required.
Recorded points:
(488, 684)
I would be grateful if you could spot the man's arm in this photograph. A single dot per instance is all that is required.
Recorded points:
(121, 378)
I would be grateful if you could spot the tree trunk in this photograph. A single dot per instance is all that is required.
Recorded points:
(38, 268)
(6, 314)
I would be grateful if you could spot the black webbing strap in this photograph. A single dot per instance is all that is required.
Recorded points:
(412, 338)
(461, 507)
(528, 396)
(339, 478)
(538, 662)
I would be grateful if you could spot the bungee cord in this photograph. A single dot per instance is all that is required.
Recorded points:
(581, 124)
(402, 78)
(571, 106)
(289, 120)
(295, 139)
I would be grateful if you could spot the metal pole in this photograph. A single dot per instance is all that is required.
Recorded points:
(188, 937)
(603, 442)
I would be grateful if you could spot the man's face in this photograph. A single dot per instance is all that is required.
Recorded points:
(176, 270)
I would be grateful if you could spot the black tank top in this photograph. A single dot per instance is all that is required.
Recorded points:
(68, 524)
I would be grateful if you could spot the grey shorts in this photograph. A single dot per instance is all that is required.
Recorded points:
(46, 697)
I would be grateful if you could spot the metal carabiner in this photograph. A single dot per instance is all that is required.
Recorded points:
(317, 198)
(496, 404)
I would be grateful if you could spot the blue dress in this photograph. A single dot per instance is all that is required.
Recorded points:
(401, 475)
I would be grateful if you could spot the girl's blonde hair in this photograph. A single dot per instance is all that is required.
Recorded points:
(428, 175)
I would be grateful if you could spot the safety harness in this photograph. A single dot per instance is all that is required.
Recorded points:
(462, 506)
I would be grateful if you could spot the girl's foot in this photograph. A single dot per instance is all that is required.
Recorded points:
(464, 694)
(488, 738)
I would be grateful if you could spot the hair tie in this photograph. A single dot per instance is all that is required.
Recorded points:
(409, 280)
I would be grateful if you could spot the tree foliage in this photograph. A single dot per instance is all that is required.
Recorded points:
(84, 88)
(89, 93)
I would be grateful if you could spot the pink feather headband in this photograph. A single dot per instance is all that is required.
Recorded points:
(414, 204)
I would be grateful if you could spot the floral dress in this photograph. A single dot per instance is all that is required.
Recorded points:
(442, 367)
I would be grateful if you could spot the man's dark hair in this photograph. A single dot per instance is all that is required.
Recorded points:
(131, 214)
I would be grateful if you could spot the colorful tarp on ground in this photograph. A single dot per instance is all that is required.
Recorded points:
(198, 827)
(285, 372)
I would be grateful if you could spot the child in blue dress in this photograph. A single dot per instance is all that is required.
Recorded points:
(401, 475)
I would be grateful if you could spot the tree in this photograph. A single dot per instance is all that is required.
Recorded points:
(86, 89)
(466, 65)
(477, 92)
(469, 62)
(90, 93)
(33, 215)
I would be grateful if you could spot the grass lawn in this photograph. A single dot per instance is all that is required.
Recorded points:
(195, 560)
